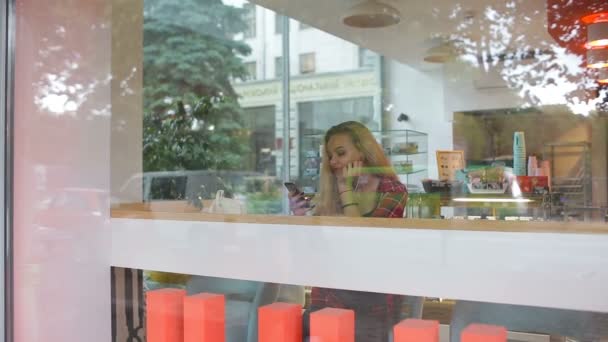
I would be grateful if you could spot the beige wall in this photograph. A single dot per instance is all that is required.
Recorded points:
(127, 103)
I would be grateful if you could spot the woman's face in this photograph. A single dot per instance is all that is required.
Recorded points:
(341, 151)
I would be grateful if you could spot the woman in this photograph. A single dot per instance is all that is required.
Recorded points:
(357, 180)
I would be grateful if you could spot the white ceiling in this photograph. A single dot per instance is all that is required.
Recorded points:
(497, 26)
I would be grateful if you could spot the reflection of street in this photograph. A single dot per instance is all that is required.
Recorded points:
(64, 220)
(63, 228)
(261, 193)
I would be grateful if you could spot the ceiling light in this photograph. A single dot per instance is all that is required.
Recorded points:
(597, 59)
(603, 76)
(442, 53)
(371, 14)
(595, 18)
(597, 35)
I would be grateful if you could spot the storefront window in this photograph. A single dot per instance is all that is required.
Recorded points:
(482, 121)
(477, 115)
(450, 165)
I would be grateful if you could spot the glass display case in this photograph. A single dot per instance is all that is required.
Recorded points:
(406, 149)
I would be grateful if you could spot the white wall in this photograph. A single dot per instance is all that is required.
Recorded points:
(430, 98)
(469, 88)
(62, 140)
(420, 95)
(332, 54)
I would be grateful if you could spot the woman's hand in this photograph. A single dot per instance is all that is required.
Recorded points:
(348, 175)
(298, 204)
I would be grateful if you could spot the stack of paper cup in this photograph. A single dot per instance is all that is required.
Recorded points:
(532, 166)
(519, 154)
(545, 165)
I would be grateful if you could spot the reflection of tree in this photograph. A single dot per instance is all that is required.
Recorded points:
(70, 75)
(192, 119)
(510, 39)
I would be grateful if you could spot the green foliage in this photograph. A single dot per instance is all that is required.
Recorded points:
(207, 137)
(263, 196)
(264, 203)
(192, 120)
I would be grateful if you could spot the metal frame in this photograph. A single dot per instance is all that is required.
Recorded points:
(582, 181)
(7, 47)
(286, 108)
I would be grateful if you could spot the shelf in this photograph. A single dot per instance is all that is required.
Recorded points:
(406, 154)
(413, 151)
(398, 132)
(415, 170)
(382, 134)
(496, 201)
(567, 179)
(572, 186)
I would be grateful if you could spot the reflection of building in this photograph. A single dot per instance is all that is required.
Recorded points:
(317, 102)
(332, 80)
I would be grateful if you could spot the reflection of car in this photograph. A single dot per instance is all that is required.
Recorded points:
(165, 185)
(64, 222)
(74, 207)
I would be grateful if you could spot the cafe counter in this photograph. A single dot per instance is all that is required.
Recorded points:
(547, 264)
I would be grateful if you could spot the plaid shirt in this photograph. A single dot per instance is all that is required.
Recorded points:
(393, 196)
(375, 313)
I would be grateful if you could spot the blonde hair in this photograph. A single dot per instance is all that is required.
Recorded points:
(327, 200)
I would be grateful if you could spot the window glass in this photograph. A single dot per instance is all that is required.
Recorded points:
(461, 112)
(203, 130)
(367, 58)
(307, 63)
(479, 113)
(250, 18)
(450, 166)
(251, 71)
(278, 24)
(278, 67)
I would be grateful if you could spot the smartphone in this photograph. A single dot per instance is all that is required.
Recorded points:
(292, 188)
(295, 191)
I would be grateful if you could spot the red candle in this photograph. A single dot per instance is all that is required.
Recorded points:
(332, 325)
(164, 315)
(204, 318)
(484, 333)
(416, 330)
(280, 322)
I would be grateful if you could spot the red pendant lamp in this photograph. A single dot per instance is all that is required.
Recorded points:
(597, 44)
(570, 22)
(597, 32)
(582, 27)
(603, 76)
